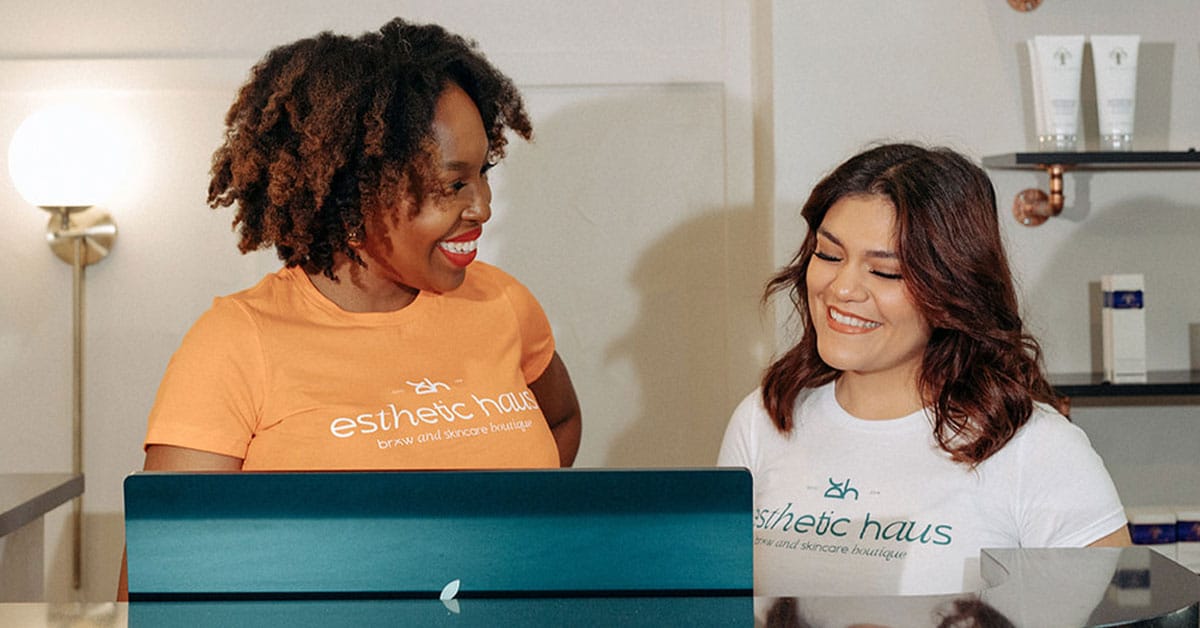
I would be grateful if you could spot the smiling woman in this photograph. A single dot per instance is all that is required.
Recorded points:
(363, 161)
(913, 413)
(381, 342)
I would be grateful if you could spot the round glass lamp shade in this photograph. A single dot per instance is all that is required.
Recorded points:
(66, 156)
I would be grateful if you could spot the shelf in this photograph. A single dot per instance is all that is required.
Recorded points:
(1134, 160)
(1033, 207)
(1157, 384)
(25, 497)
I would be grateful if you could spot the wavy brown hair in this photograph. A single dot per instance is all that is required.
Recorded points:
(981, 372)
(331, 132)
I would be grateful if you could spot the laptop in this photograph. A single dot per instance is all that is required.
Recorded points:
(254, 536)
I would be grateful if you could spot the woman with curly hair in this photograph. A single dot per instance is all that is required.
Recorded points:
(381, 343)
(912, 425)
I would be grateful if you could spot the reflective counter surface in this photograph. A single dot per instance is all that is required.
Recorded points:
(1034, 588)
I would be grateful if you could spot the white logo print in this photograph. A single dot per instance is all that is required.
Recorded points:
(447, 595)
(426, 387)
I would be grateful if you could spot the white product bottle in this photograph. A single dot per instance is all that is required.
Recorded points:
(1123, 327)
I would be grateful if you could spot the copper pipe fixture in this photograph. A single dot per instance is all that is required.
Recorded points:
(1032, 206)
(1024, 6)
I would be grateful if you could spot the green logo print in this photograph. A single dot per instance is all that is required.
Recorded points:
(839, 490)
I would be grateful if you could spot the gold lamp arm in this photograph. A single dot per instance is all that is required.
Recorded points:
(80, 237)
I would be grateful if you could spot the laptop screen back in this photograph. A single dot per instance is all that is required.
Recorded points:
(362, 535)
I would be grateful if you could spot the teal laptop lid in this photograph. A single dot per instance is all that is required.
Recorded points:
(422, 534)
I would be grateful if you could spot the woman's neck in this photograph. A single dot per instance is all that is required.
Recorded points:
(357, 290)
(878, 396)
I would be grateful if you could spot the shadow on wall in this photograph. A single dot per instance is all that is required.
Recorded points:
(614, 217)
(680, 346)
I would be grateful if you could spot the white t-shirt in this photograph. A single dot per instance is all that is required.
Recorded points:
(846, 506)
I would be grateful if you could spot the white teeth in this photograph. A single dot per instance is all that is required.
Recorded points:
(461, 248)
(852, 321)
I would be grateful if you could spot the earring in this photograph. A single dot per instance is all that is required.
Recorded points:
(354, 237)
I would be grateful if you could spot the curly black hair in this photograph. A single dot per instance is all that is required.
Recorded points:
(330, 130)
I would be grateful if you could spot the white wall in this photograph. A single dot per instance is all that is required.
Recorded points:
(625, 217)
(954, 72)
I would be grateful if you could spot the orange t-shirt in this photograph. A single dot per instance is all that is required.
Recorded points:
(283, 378)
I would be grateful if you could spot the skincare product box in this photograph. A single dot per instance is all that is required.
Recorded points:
(1123, 328)
(1187, 537)
(1153, 527)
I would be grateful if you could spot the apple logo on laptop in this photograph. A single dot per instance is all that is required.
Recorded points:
(447, 595)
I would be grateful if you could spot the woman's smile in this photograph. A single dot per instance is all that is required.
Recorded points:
(461, 249)
(849, 324)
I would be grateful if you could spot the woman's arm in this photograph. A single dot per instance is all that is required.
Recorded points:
(171, 458)
(556, 397)
(1117, 538)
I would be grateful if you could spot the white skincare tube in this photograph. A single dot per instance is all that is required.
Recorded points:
(1039, 107)
(1115, 58)
(1060, 62)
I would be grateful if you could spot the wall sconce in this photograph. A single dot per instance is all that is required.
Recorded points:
(66, 159)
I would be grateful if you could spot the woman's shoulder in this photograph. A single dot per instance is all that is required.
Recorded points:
(748, 419)
(285, 282)
(1047, 434)
(275, 293)
(484, 276)
(1047, 423)
(750, 406)
(487, 282)
(751, 409)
